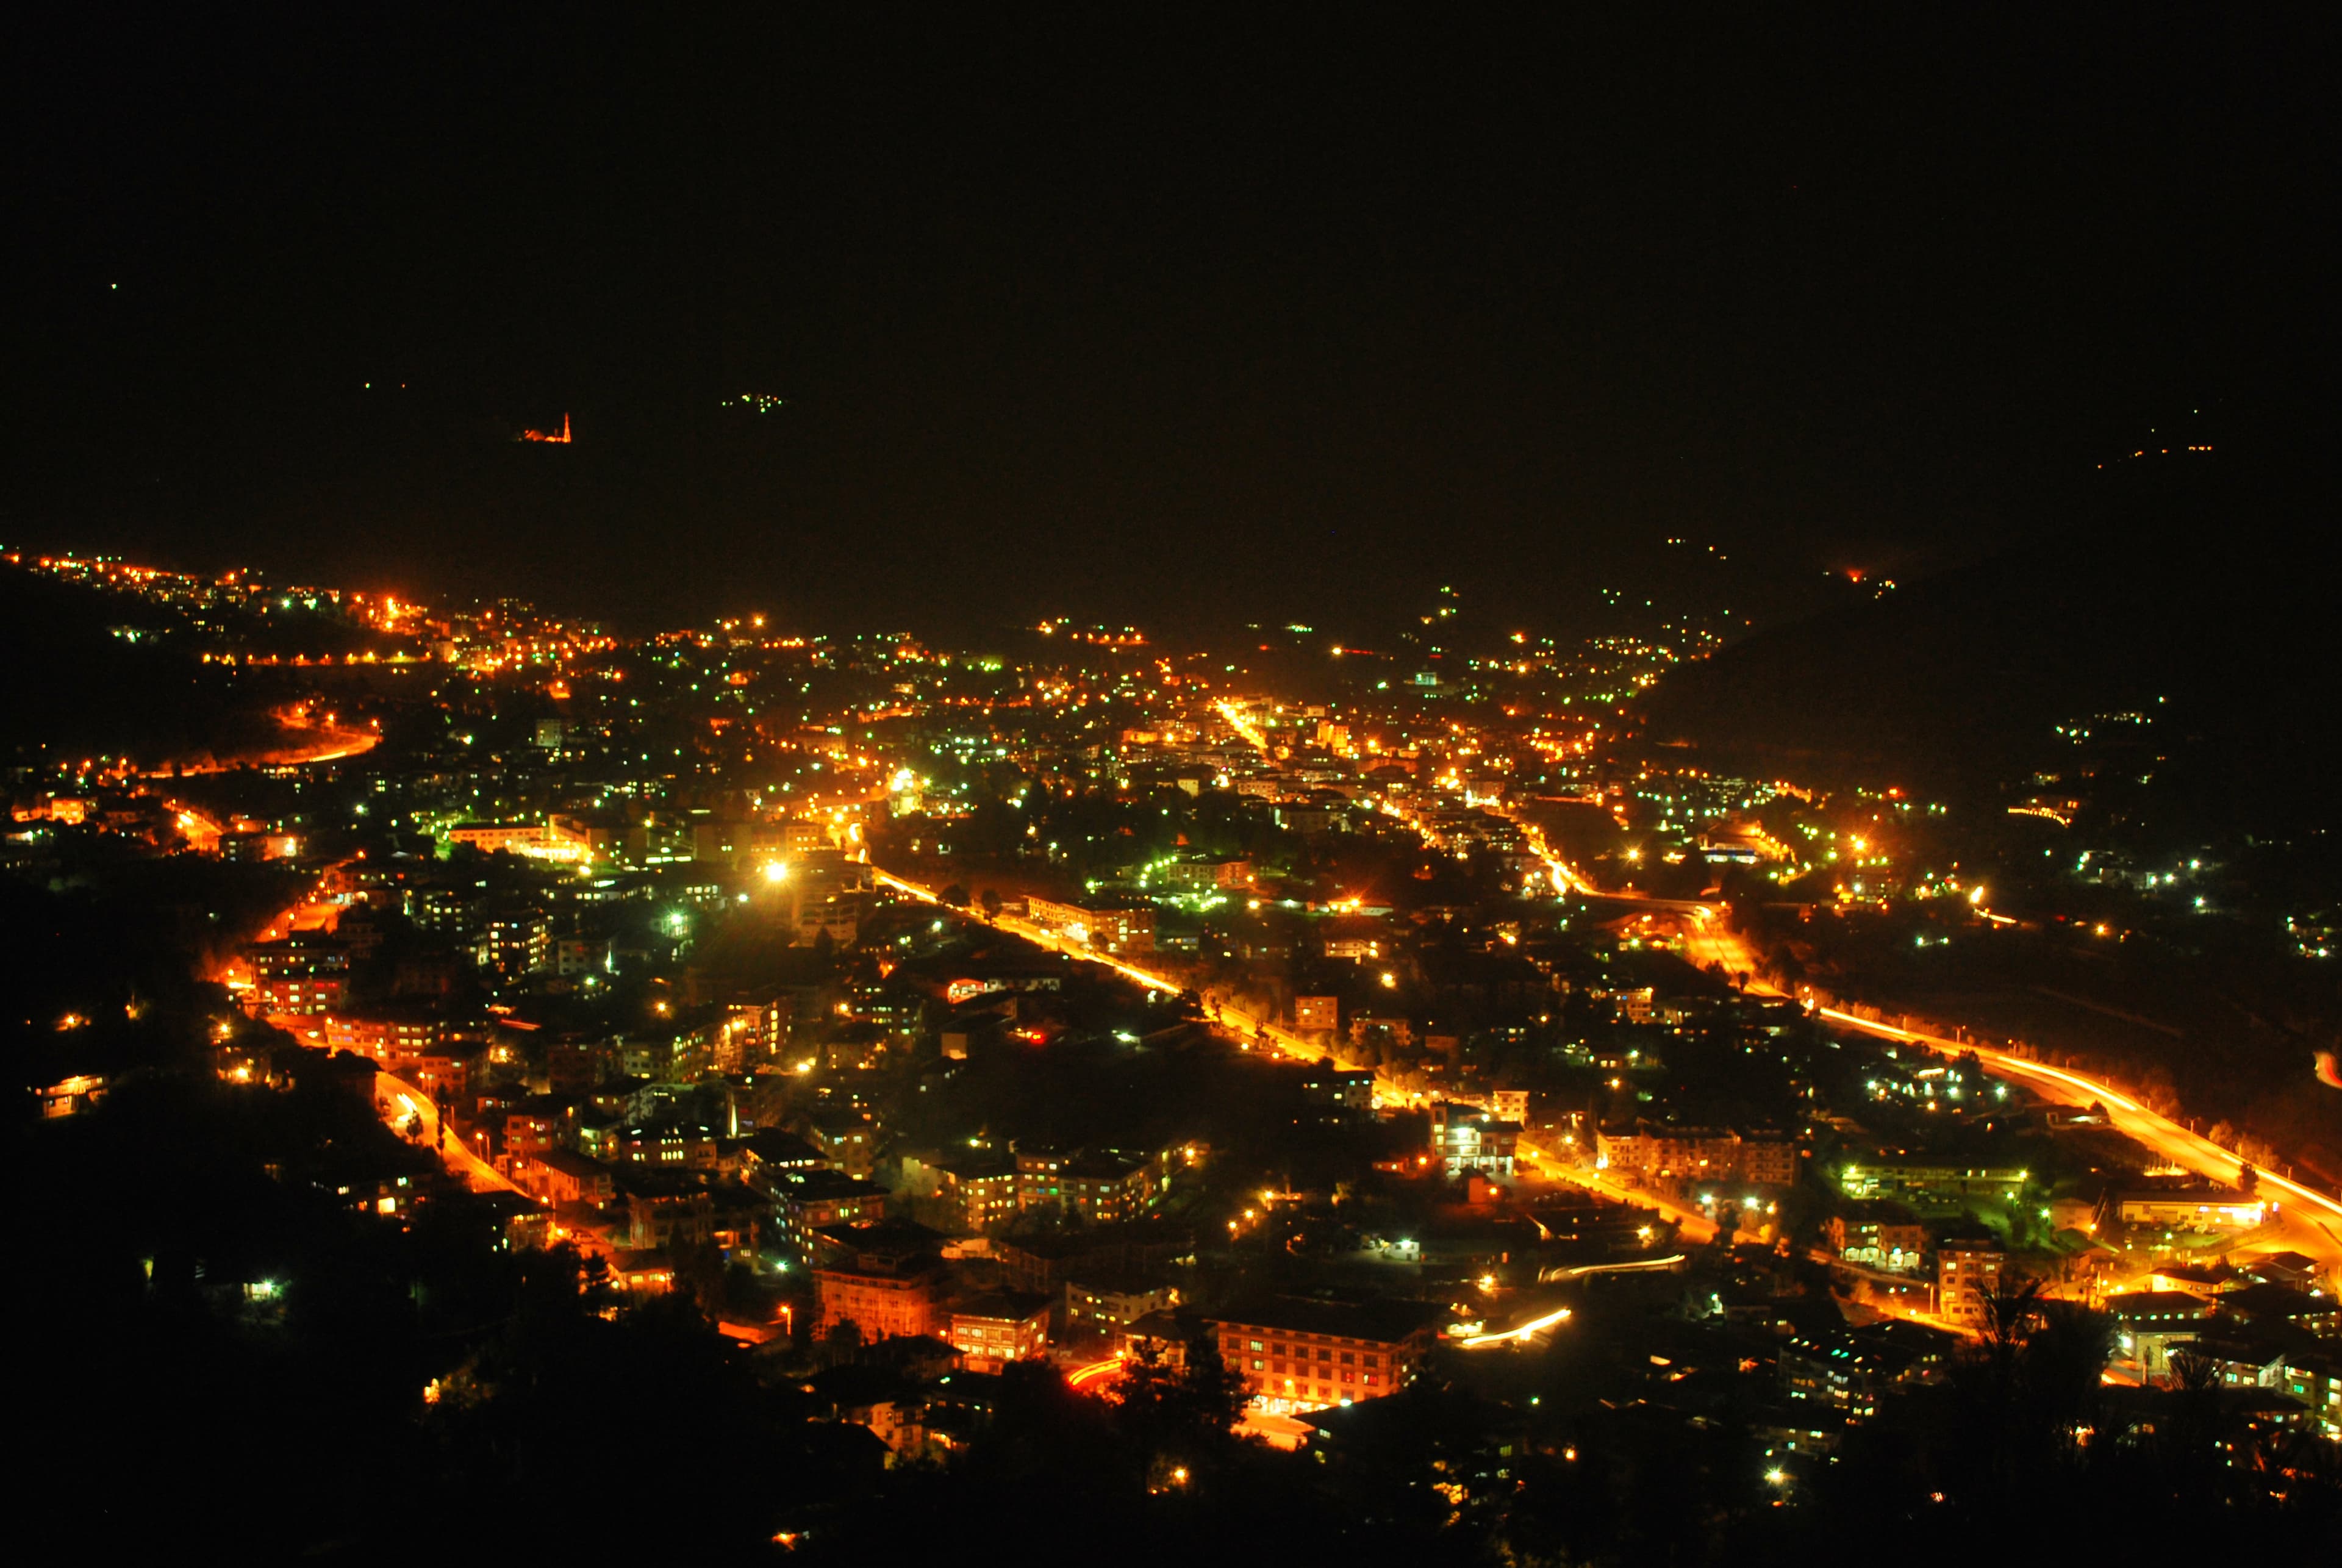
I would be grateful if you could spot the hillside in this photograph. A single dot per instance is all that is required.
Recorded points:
(2207, 609)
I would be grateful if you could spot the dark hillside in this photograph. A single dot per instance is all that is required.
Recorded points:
(2218, 600)
(73, 681)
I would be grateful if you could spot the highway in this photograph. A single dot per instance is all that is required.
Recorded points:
(2317, 1218)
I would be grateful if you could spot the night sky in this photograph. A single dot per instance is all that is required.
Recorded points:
(1183, 326)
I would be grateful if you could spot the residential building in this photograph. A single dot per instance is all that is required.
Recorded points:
(1660, 1152)
(1123, 928)
(889, 1288)
(1877, 1234)
(1108, 1305)
(562, 1176)
(1002, 1326)
(1465, 1140)
(1967, 1275)
(1301, 1353)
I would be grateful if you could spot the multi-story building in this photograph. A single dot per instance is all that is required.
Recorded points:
(1314, 1012)
(2192, 1209)
(1930, 1186)
(670, 1147)
(513, 941)
(992, 1329)
(396, 1037)
(489, 837)
(1967, 1275)
(847, 1138)
(1342, 1092)
(1700, 1154)
(889, 1288)
(298, 995)
(1108, 1305)
(1300, 1353)
(806, 1202)
(1101, 1186)
(1847, 1372)
(562, 1176)
(300, 974)
(1465, 1140)
(1123, 928)
(1879, 1235)
(976, 1190)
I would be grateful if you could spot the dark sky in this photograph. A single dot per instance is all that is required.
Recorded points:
(1198, 322)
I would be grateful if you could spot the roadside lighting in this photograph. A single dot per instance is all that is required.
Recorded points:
(1390, 981)
(775, 871)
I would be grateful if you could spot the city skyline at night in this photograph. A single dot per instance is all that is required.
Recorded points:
(1499, 790)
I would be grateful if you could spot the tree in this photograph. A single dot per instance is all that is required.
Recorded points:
(2249, 1180)
(956, 896)
(1186, 1409)
(844, 1338)
(991, 901)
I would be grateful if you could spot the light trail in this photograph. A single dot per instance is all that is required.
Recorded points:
(1518, 1336)
(1626, 1266)
(1081, 1377)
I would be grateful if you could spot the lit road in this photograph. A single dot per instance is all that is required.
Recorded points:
(1234, 1021)
(1690, 1223)
(1242, 726)
(1244, 1028)
(2317, 1215)
(401, 1100)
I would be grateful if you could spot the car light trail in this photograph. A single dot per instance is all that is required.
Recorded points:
(1518, 1336)
(1081, 1377)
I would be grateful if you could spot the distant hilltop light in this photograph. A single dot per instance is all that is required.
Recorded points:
(560, 438)
(757, 402)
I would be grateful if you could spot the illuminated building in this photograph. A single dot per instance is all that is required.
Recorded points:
(1119, 927)
(1848, 1372)
(1930, 1184)
(891, 1286)
(1300, 1353)
(976, 1190)
(994, 1329)
(562, 1176)
(72, 1096)
(1701, 1154)
(1109, 1307)
(1463, 1139)
(1314, 1012)
(1879, 1235)
(1967, 1273)
(2195, 1209)
(806, 1203)
(396, 1037)
(2150, 1324)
